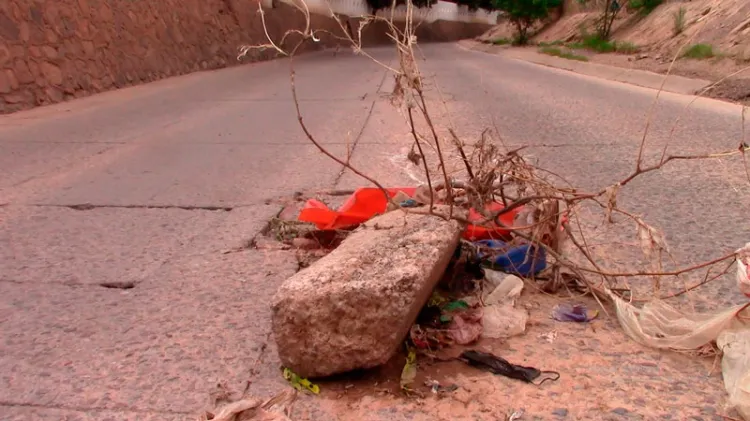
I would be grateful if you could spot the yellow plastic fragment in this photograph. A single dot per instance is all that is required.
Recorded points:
(300, 383)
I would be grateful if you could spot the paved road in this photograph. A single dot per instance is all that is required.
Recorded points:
(149, 185)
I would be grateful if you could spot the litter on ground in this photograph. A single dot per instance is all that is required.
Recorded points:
(485, 278)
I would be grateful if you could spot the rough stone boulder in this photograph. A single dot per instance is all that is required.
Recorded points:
(353, 308)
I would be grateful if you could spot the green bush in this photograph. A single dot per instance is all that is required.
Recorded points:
(700, 51)
(524, 13)
(501, 41)
(679, 21)
(554, 51)
(626, 48)
(645, 6)
(595, 43)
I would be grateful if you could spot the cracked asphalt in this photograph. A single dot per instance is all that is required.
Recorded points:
(149, 186)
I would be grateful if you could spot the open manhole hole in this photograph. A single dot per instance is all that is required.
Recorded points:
(118, 285)
(285, 232)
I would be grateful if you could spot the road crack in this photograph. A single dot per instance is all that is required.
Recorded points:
(89, 206)
(90, 409)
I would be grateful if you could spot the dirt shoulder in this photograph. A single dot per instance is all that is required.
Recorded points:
(730, 78)
(717, 70)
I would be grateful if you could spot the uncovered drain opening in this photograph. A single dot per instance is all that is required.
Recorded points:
(285, 232)
(118, 285)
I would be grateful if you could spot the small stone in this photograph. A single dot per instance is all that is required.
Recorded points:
(4, 55)
(620, 411)
(51, 36)
(36, 15)
(84, 30)
(290, 212)
(15, 98)
(88, 47)
(105, 13)
(8, 28)
(709, 410)
(560, 412)
(52, 73)
(305, 243)
(54, 94)
(23, 73)
(84, 6)
(49, 52)
(12, 78)
(24, 32)
(35, 69)
(17, 51)
(5, 85)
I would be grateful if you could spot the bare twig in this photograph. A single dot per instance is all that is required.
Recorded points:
(424, 159)
(540, 205)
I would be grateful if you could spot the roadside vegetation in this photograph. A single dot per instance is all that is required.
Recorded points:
(502, 41)
(679, 21)
(557, 52)
(644, 7)
(700, 52)
(612, 8)
(551, 43)
(523, 14)
(600, 45)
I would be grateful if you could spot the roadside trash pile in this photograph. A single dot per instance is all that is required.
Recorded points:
(477, 295)
(367, 202)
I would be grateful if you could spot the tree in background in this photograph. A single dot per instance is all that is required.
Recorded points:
(524, 13)
(613, 7)
(604, 27)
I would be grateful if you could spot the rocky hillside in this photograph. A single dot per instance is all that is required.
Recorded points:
(712, 38)
(723, 24)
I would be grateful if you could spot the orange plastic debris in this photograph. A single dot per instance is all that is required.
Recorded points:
(368, 202)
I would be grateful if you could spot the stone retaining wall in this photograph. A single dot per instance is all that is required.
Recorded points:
(55, 50)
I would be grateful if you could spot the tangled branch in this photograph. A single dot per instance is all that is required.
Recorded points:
(476, 174)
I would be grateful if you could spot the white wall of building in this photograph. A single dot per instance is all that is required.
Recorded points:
(442, 10)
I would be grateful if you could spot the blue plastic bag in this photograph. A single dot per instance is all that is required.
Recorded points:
(524, 260)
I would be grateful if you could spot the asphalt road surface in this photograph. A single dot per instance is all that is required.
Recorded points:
(151, 185)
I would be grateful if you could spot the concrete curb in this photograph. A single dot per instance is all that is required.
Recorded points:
(643, 78)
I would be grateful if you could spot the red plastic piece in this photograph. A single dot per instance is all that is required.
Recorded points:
(368, 202)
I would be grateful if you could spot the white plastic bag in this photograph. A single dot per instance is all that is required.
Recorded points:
(743, 276)
(501, 319)
(735, 367)
(659, 325)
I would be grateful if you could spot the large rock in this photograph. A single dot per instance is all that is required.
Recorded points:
(353, 308)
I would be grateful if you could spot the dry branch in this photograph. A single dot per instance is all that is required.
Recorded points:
(547, 208)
